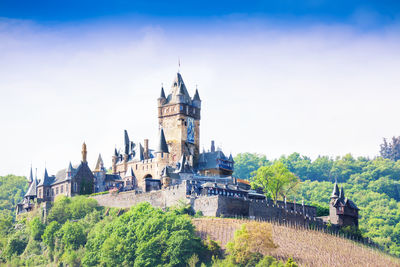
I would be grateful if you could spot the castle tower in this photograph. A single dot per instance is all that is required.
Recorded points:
(334, 218)
(179, 116)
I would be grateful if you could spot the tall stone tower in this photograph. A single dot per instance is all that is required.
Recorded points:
(179, 116)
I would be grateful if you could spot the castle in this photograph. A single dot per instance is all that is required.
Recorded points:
(175, 169)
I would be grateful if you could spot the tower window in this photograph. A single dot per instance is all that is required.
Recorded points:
(181, 108)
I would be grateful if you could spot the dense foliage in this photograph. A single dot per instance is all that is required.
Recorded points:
(275, 180)
(373, 184)
(80, 233)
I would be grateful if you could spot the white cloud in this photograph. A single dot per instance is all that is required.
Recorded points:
(314, 90)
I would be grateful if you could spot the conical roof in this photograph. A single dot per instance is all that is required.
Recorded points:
(341, 194)
(162, 146)
(129, 172)
(127, 143)
(46, 179)
(335, 192)
(30, 178)
(196, 95)
(162, 95)
(99, 164)
(32, 189)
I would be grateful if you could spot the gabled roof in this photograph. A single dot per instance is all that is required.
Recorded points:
(209, 160)
(162, 146)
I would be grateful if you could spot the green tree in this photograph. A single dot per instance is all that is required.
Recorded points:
(49, 234)
(275, 180)
(247, 163)
(36, 228)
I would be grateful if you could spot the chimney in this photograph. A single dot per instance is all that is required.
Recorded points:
(84, 153)
(212, 146)
(146, 148)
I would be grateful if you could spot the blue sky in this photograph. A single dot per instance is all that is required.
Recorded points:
(318, 78)
(288, 11)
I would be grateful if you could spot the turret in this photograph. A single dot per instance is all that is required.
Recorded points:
(196, 99)
(335, 192)
(30, 178)
(127, 143)
(341, 194)
(162, 146)
(162, 99)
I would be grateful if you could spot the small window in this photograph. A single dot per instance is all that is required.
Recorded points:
(52, 191)
(181, 108)
(56, 190)
(62, 189)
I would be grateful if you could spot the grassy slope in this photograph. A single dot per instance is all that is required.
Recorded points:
(307, 247)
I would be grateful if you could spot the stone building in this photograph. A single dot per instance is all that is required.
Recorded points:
(74, 180)
(342, 211)
(176, 154)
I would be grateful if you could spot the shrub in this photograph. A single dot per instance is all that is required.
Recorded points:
(36, 228)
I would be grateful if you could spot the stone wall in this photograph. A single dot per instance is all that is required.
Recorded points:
(216, 205)
(161, 198)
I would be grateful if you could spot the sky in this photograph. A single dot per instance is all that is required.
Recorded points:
(275, 77)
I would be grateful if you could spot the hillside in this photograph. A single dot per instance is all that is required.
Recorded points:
(307, 247)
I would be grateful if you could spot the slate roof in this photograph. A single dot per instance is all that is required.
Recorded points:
(162, 95)
(209, 160)
(99, 165)
(113, 178)
(196, 95)
(47, 180)
(162, 146)
(32, 189)
(179, 88)
(223, 186)
(335, 192)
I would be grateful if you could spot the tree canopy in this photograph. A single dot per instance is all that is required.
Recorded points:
(275, 180)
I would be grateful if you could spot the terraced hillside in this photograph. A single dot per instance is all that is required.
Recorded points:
(307, 247)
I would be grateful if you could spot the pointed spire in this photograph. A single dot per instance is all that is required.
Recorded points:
(69, 167)
(115, 152)
(341, 195)
(196, 95)
(230, 157)
(141, 152)
(335, 192)
(84, 153)
(127, 143)
(162, 146)
(129, 172)
(162, 92)
(32, 189)
(99, 165)
(30, 178)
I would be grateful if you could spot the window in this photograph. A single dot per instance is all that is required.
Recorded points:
(181, 108)
(52, 191)
(75, 187)
(56, 190)
(66, 188)
(40, 193)
(47, 192)
(62, 189)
